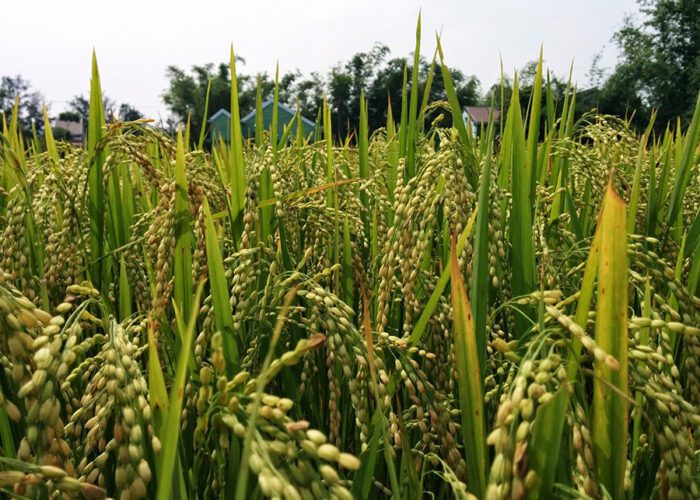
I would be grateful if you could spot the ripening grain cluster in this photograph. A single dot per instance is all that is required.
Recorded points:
(423, 312)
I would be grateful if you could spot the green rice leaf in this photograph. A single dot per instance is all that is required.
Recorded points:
(205, 117)
(48, 136)
(610, 386)
(220, 296)
(170, 434)
(469, 383)
(183, 233)
(96, 205)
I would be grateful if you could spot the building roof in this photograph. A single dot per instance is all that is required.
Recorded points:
(216, 115)
(289, 110)
(480, 114)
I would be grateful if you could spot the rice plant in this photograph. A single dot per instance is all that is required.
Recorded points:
(423, 312)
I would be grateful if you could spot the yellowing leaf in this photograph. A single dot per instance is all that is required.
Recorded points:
(610, 402)
(469, 383)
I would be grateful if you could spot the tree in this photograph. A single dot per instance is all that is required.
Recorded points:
(365, 72)
(186, 93)
(467, 88)
(382, 82)
(621, 95)
(30, 101)
(69, 116)
(304, 94)
(128, 113)
(501, 93)
(386, 87)
(659, 63)
(346, 82)
(79, 104)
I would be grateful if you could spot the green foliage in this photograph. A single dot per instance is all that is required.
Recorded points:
(658, 66)
(371, 73)
(129, 113)
(30, 101)
(69, 116)
(402, 314)
(80, 105)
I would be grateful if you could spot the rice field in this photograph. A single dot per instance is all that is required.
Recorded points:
(422, 312)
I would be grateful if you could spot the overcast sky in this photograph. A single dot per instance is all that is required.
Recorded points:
(49, 42)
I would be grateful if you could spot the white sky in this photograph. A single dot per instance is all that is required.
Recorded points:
(49, 42)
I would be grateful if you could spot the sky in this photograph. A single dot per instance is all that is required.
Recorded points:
(50, 42)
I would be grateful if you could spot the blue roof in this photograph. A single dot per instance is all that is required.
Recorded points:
(289, 110)
(222, 111)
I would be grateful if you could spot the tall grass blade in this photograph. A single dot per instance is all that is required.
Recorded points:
(188, 131)
(258, 114)
(545, 445)
(610, 389)
(236, 160)
(413, 110)
(96, 205)
(403, 124)
(220, 296)
(519, 167)
(48, 136)
(124, 291)
(362, 146)
(639, 396)
(470, 382)
(533, 131)
(636, 184)
(392, 154)
(422, 323)
(457, 120)
(481, 264)
(205, 117)
(261, 382)
(275, 112)
(348, 284)
(170, 435)
(426, 94)
(685, 166)
(183, 233)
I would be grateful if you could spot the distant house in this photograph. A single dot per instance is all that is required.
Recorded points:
(74, 131)
(220, 122)
(220, 126)
(478, 117)
(284, 116)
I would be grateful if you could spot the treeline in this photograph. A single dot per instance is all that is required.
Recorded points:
(374, 73)
(658, 70)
